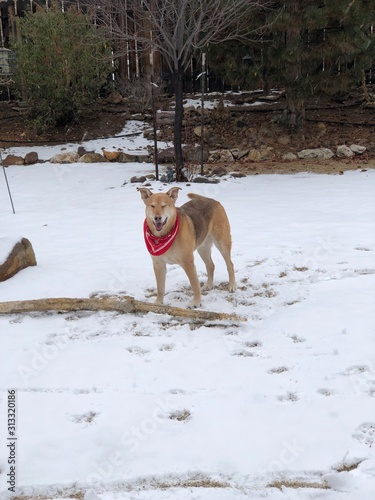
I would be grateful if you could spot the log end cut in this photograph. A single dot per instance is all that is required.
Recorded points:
(20, 256)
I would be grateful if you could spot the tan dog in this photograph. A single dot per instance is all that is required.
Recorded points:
(172, 234)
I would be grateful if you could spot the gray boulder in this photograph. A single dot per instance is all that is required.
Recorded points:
(357, 149)
(344, 151)
(316, 153)
(68, 157)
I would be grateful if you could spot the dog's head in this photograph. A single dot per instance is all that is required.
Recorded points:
(160, 209)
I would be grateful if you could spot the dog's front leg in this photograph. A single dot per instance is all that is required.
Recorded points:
(160, 270)
(191, 273)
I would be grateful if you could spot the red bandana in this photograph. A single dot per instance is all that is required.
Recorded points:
(157, 245)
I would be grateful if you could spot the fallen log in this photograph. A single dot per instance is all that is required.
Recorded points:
(122, 304)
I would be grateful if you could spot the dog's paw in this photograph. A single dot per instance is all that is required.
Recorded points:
(232, 287)
(194, 304)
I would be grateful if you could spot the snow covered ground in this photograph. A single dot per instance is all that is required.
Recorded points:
(150, 407)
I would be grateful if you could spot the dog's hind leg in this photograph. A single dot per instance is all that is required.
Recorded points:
(191, 272)
(223, 241)
(224, 247)
(205, 253)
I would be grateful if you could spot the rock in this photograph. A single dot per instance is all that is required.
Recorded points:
(241, 124)
(31, 158)
(166, 155)
(198, 132)
(13, 160)
(127, 158)
(321, 128)
(168, 176)
(215, 141)
(344, 151)
(193, 154)
(219, 171)
(144, 158)
(289, 157)
(165, 117)
(206, 132)
(188, 110)
(114, 97)
(221, 155)
(111, 155)
(252, 134)
(220, 108)
(92, 158)
(261, 154)
(316, 153)
(82, 151)
(140, 179)
(239, 153)
(20, 256)
(284, 140)
(148, 134)
(237, 175)
(139, 117)
(69, 157)
(205, 180)
(266, 132)
(357, 149)
(371, 148)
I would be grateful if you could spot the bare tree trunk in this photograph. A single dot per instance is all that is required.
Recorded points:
(295, 109)
(265, 72)
(179, 115)
(295, 101)
(2, 40)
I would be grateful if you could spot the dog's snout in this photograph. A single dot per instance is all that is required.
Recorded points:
(157, 218)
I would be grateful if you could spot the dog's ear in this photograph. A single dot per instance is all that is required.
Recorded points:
(173, 193)
(145, 193)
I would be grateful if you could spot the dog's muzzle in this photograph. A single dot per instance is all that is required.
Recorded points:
(159, 223)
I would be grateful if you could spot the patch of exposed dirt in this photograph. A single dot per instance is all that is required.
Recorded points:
(298, 485)
(328, 124)
(100, 120)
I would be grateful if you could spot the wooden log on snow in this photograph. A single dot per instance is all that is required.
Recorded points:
(123, 304)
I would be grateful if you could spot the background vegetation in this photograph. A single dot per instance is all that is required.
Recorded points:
(63, 61)
(305, 48)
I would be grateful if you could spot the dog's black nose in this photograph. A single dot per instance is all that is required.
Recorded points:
(157, 218)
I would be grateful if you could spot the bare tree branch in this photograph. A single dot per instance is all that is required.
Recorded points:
(122, 304)
(178, 29)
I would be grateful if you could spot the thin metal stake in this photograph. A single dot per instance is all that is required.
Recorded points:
(7, 183)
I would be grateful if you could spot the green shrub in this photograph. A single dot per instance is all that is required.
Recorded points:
(63, 61)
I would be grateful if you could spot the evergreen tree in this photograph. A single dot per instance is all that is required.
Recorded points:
(310, 48)
(320, 47)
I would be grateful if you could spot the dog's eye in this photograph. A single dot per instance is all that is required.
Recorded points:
(163, 205)
(153, 205)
